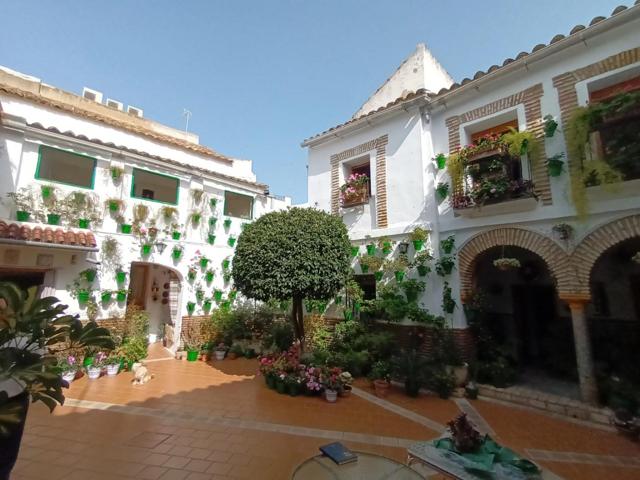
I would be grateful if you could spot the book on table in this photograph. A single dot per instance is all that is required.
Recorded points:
(338, 453)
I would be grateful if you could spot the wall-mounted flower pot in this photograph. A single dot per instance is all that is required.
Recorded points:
(217, 295)
(83, 297)
(176, 253)
(441, 161)
(446, 247)
(213, 202)
(199, 295)
(418, 244)
(204, 262)
(125, 228)
(226, 305)
(399, 276)
(22, 216)
(555, 168)
(364, 268)
(423, 270)
(53, 219)
(378, 275)
(209, 277)
(371, 249)
(121, 296)
(211, 239)
(105, 297)
(226, 277)
(231, 241)
(90, 274)
(195, 218)
(206, 306)
(212, 221)
(225, 264)
(192, 355)
(83, 223)
(191, 274)
(46, 191)
(355, 251)
(121, 277)
(191, 307)
(227, 223)
(232, 295)
(176, 235)
(114, 207)
(386, 248)
(146, 250)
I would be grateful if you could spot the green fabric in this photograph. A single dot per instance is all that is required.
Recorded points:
(488, 454)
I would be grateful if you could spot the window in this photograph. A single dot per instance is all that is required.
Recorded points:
(357, 187)
(616, 132)
(238, 205)
(154, 186)
(66, 167)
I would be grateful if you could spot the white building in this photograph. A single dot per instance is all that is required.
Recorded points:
(74, 159)
(565, 286)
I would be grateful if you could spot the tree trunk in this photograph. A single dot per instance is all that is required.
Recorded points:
(10, 445)
(297, 317)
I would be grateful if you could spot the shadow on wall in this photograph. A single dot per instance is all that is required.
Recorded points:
(8, 175)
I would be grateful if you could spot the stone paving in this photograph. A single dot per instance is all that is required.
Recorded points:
(202, 421)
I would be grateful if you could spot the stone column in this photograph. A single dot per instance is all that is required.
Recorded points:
(584, 359)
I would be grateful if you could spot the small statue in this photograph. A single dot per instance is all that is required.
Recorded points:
(465, 437)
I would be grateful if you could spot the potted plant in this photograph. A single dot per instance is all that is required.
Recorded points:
(555, 164)
(191, 307)
(370, 263)
(371, 249)
(121, 295)
(176, 252)
(95, 369)
(53, 218)
(563, 230)
(121, 276)
(113, 365)
(420, 262)
(355, 191)
(126, 228)
(197, 193)
(397, 266)
(89, 274)
(146, 249)
(441, 161)
(505, 264)
(226, 263)
(346, 381)
(213, 202)
(68, 366)
(105, 296)
(206, 305)
(330, 380)
(412, 288)
(354, 251)
(418, 236)
(293, 382)
(235, 351)
(550, 126)
(48, 192)
(227, 223)
(220, 351)
(217, 295)
(211, 239)
(441, 381)
(199, 294)
(116, 173)
(448, 303)
(447, 244)
(411, 366)
(191, 273)
(386, 245)
(231, 241)
(204, 261)
(445, 265)
(233, 294)
(442, 190)
(195, 216)
(25, 203)
(114, 205)
(380, 375)
(209, 275)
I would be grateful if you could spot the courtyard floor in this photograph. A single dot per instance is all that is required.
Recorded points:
(218, 420)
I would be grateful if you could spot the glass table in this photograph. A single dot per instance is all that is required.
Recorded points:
(369, 466)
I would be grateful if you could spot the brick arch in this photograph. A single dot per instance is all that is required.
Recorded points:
(599, 241)
(554, 256)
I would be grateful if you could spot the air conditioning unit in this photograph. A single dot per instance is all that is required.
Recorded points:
(134, 111)
(114, 104)
(93, 95)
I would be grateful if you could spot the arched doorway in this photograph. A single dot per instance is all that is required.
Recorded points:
(614, 316)
(525, 323)
(155, 288)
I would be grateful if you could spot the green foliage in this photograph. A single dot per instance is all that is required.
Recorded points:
(280, 337)
(444, 265)
(441, 381)
(398, 264)
(412, 289)
(520, 143)
(419, 234)
(381, 370)
(550, 126)
(411, 367)
(30, 328)
(390, 305)
(448, 303)
(422, 258)
(372, 262)
(231, 325)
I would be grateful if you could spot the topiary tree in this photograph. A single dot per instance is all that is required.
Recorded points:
(294, 254)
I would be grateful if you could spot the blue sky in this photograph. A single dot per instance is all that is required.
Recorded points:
(262, 75)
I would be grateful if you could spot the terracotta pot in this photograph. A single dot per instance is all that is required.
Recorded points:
(231, 356)
(381, 388)
(345, 392)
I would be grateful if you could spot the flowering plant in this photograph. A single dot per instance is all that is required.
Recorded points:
(221, 347)
(506, 263)
(68, 364)
(355, 186)
(100, 360)
(312, 379)
(330, 378)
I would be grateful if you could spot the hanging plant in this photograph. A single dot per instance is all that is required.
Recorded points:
(217, 295)
(441, 161)
(563, 230)
(121, 295)
(191, 307)
(378, 275)
(226, 277)
(206, 305)
(125, 228)
(89, 274)
(211, 239)
(116, 173)
(368, 262)
(448, 303)
(227, 223)
(442, 190)
(213, 202)
(140, 213)
(53, 219)
(110, 249)
(209, 276)
(105, 296)
(371, 249)
(200, 295)
(445, 265)
(191, 273)
(550, 126)
(555, 164)
(212, 222)
(420, 262)
(233, 294)
(447, 244)
(48, 193)
(397, 266)
(231, 241)
(386, 245)
(121, 276)
(195, 216)
(176, 253)
(146, 249)
(204, 261)
(506, 263)
(418, 236)
(520, 143)
(168, 213)
(175, 235)
(114, 205)
(354, 251)
(226, 263)
(197, 193)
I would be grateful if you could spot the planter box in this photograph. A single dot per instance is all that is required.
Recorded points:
(360, 198)
(501, 208)
(22, 216)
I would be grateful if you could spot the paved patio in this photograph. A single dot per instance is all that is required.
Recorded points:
(212, 421)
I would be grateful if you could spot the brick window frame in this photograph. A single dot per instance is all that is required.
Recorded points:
(530, 100)
(379, 146)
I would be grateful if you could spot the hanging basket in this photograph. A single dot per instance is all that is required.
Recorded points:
(176, 235)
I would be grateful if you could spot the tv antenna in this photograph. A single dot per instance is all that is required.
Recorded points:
(187, 114)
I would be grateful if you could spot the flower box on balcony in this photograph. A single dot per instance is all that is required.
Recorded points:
(509, 205)
(355, 191)
(360, 197)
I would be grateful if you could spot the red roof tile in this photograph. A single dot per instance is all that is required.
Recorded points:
(46, 234)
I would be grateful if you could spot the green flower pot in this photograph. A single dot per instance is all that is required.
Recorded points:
(206, 306)
(399, 276)
(227, 223)
(83, 297)
(555, 169)
(199, 295)
(53, 219)
(121, 277)
(46, 191)
(231, 241)
(270, 381)
(22, 216)
(226, 277)
(364, 268)
(213, 202)
(125, 228)
(211, 239)
(204, 262)
(209, 277)
(423, 270)
(176, 235)
(121, 296)
(105, 297)
(217, 295)
(90, 275)
(338, 300)
(226, 264)
(114, 207)
(226, 305)
(418, 244)
(146, 250)
(232, 295)
(386, 248)
(87, 362)
(371, 249)
(191, 307)
(83, 223)
(378, 275)
(281, 387)
(441, 161)
(195, 219)
(176, 253)
(355, 251)
(192, 355)
(191, 275)
(212, 221)
(293, 389)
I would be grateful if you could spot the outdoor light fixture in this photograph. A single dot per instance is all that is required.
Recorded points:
(403, 248)
(160, 246)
